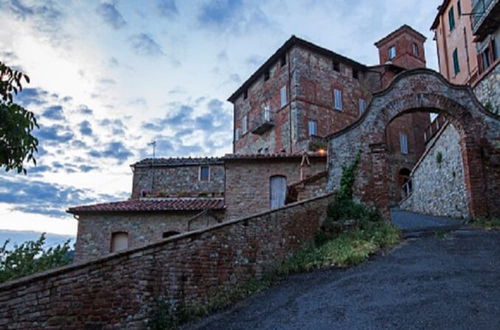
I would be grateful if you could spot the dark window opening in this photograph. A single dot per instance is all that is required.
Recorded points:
(456, 64)
(336, 66)
(415, 49)
(355, 73)
(204, 173)
(266, 75)
(170, 233)
(459, 8)
(283, 60)
(245, 94)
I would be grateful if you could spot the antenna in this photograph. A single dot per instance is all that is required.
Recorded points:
(153, 143)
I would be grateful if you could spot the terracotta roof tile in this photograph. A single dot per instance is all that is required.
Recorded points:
(272, 156)
(178, 161)
(152, 205)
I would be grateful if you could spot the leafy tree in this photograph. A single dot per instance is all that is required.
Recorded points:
(30, 257)
(17, 144)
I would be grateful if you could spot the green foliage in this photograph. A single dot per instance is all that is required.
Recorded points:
(17, 144)
(439, 157)
(490, 107)
(30, 257)
(347, 179)
(488, 224)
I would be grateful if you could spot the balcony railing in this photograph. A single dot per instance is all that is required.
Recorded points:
(263, 123)
(434, 127)
(480, 10)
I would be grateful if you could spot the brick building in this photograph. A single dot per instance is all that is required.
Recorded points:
(467, 34)
(282, 115)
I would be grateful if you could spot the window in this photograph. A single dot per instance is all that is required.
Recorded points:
(336, 66)
(456, 65)
(355, 73)
(451, 19)
(283, 60)
(337, 99)
(169, 233)
(313, 127)
(244, 127)
(245, 94)
(267, 113)
(119, 241)
(403, 143)
(392, 52)
(459, 8)
(237, 134)
(266, 75)
(362, 106)
(415, 49)
(204, 173)
(283, 96)
(485, 58)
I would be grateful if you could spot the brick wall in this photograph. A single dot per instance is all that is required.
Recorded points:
(118, 291)
(247, 181)
(95, 231)
(439, 187)
(178, 181)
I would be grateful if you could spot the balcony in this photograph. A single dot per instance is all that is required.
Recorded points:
(263, 124)
(485, 17)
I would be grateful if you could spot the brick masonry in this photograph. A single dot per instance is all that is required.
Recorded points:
(487, 89)
(119, 291)
(439, 186)
(423, 90)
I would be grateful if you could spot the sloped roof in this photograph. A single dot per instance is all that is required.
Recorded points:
(152, 205)
(178, 161)
(281, 155)
(402, 28)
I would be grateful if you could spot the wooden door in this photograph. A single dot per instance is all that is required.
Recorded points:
(277, 192)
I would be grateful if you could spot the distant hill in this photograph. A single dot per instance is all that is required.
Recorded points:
(18, 237)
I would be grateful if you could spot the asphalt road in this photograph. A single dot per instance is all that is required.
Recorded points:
(443, 281)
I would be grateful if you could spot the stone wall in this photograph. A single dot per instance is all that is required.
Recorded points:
(247, 181)
(95, 230)
(178, 181)
(487, 89)
(119, 291)
(439, 185)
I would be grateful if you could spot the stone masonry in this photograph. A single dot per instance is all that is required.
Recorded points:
(120, 291)
(438, 179)
(487, 89)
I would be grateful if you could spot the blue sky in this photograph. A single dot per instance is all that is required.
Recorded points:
(108, 77)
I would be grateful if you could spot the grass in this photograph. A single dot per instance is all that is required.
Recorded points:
(488, 224)
(348, 248)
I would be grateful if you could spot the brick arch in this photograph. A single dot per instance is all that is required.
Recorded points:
(416, 91)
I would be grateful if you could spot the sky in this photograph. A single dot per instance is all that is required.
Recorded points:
(109, 77)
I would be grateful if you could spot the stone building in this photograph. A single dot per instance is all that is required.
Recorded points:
(282, 115)
(467, 34)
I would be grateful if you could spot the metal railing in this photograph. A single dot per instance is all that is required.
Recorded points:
(480, 9)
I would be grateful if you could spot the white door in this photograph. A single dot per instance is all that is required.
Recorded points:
(277, 191)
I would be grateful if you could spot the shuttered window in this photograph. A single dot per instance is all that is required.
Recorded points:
(119, 241)
(403, 142)
(204, 173)
(362, 106)
(337, 99)
(313, 127)
(244, 123)
(456, 64)
(451, 19)
(283, 96)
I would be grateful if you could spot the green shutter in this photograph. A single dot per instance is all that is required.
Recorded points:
(456, 65)
(451, 19)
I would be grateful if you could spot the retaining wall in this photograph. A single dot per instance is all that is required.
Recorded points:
(119, 291)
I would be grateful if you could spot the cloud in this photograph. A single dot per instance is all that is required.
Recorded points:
(167, 8)
(144, 44)
(114, 150)
(111, 15)
(55, 133)
(54, 112)
(84, 110)
(85, 128)
(44, 198)
(219, 12)
(115, 126)
(31, 96)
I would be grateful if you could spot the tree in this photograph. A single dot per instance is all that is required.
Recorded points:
(30, 257)
(17, 144)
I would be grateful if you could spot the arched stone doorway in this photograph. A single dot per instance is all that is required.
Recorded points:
(416, 91)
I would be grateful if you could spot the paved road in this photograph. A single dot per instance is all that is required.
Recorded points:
(441, 281)
(410, 222)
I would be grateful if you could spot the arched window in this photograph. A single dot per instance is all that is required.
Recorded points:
(170, 233)
(119, 241)
(277, 191)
